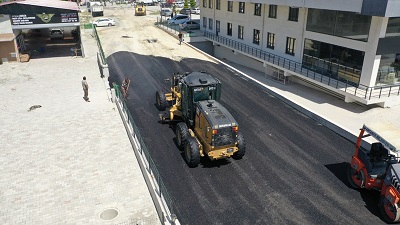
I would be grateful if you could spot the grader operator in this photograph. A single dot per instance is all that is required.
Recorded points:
(203, 127)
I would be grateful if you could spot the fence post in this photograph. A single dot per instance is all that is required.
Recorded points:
(113, 95)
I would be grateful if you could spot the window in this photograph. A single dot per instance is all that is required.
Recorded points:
(290, 42)
(329, 59)
(230, 6)
(218, 6)
(229, 32)
(241, 7)
(240, 32)
(393, 27)
(210, 23)
(272, 11)
(271, 40)
(210, 4)
(205, 22)
(343, 24)
(257, 9)
(204, 3)
(217, 26)
(256, 37)
(293, 14)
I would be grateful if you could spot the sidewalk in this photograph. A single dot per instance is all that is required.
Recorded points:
(69, 161)
(344, 118)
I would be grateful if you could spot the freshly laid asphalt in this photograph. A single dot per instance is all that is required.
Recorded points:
(68, 161)
(294, 171)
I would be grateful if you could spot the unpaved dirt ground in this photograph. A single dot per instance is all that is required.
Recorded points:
(133, 33)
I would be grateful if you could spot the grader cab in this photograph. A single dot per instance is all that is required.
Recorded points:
(203, 126)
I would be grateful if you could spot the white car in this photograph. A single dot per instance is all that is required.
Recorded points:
(178, 19)
(179, 4)
(165, 12)
(104, 22)
(190, 25)
(56, 34)
(195, 11)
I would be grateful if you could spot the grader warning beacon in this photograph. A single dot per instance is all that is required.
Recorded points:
(203, 127)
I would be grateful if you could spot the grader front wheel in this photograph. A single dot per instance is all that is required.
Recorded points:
(182, 133)
(161, 100)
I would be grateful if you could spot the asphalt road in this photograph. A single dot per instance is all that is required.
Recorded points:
(294, 170)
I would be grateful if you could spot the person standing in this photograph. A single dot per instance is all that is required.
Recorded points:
(125, 85)
(85, 87)
(180, 38)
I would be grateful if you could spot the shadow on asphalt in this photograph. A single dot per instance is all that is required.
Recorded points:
(370, 197)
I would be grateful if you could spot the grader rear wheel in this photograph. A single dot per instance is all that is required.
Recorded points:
(192, 152)
(241, 147)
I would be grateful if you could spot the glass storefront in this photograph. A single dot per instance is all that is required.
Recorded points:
(393, 27)
(343, 24)
(389, 70)
(333, 61)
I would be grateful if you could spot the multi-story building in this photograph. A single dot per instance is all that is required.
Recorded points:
(350, 48)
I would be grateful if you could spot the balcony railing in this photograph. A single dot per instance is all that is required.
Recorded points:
(339, 83)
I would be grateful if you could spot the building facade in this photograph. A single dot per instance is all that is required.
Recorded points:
(340, 46)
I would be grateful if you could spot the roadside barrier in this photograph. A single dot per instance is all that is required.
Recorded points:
(103, 56)
(158, 191)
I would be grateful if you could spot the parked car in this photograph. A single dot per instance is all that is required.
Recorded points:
(178, 19)
(195, 11)
(185, 11)
(56, 34)
(102, 22)
(165, 12)
(190, 25)
(179, 4)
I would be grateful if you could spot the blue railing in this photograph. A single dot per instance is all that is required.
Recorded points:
(343, 84)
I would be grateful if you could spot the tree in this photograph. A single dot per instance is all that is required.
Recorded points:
(193, 3)
(186, 4)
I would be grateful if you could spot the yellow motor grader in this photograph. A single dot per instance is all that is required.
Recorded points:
(140, 9)
(203, 127)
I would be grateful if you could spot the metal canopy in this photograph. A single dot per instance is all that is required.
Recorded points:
(387, 134)
(38, 14)
(37, 6)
